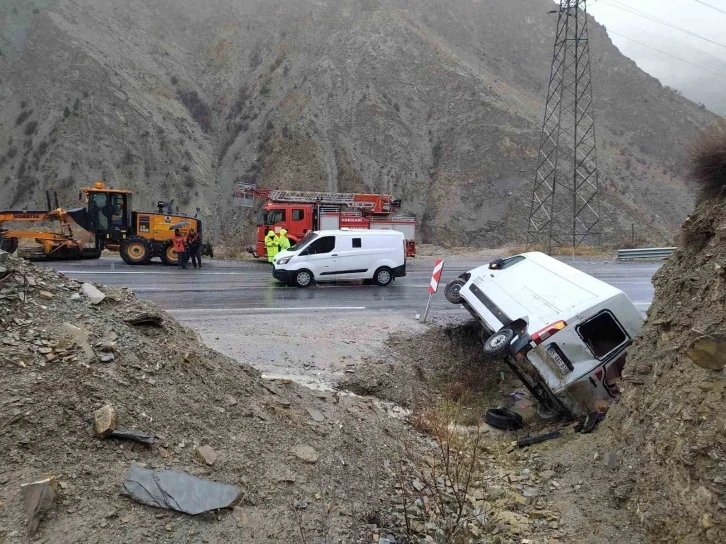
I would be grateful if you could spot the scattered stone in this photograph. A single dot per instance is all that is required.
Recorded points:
(230, 400)
(305, 453)
(108, 358)
(708, 351)
(547, 475)
(93, 294)
(300, 504)
(105, 421)
(707, 521)
(240, 517)
(147, 318)
(106, 345)
(610, 459)
(206, 455)
(38, 499)
(418, 485)
(46, 295)
(76, 296)
(317, 415)
(45, 351)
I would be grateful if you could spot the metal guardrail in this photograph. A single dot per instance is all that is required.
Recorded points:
(645, 253)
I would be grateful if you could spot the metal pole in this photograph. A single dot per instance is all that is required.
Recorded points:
(632, 233)
(428, 305)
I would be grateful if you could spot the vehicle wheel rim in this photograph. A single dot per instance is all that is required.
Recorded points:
(498, 341)
(303, 278)
(137, 251)
(171, 254)
(455, 289)
(384, 276)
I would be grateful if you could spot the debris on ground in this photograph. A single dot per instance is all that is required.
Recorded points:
(135, 436)
(524, 442)
(164, 382)
(38, 499)
(178, 491)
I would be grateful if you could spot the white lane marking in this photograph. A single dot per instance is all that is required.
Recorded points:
(301, 309)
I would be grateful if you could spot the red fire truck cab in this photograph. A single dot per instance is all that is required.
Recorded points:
(300, 211)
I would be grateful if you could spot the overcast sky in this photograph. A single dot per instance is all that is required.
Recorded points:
(699, 85)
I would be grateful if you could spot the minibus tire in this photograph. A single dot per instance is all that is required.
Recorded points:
(497, 345)
(452, 292)
(503, 419)
(388, 276)
(301, 274)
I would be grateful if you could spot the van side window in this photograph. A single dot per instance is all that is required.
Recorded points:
(603, 334)
(298, 215)
(357, 242)
(326, 244)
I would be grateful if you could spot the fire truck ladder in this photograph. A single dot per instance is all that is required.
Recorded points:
(312, 197)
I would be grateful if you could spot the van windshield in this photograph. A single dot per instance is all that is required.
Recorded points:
(309, 237)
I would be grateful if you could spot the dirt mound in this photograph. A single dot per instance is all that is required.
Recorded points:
(672, 424)
(62, 357)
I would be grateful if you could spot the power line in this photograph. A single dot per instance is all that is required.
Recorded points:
(666, 53)
(639, 13)
(707, 5)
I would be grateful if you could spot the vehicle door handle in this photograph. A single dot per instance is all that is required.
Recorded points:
(334, 255)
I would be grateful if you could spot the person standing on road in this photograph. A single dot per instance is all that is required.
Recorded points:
(194, 242)
(284, 240)
(272, 243)
(180, 248)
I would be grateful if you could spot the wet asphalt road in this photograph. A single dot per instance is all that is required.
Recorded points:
(246, 287)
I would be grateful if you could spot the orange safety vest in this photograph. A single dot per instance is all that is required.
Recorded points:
(179, 244)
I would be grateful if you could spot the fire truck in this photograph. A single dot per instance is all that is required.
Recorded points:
(299, 212)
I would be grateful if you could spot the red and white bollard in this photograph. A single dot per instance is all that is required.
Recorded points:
(434, 285)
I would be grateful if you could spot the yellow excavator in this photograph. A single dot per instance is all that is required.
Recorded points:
(137, 236)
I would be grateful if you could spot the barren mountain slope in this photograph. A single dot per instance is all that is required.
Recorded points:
(437, 102)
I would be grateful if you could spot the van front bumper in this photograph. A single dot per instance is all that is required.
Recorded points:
(285, 276)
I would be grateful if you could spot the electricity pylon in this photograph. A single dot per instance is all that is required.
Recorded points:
(566, 199)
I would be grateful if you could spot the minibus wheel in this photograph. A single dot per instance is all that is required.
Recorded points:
(452, 292)
(303, 278)
(497, 345)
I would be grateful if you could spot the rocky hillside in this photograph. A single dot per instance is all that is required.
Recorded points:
(437, 102)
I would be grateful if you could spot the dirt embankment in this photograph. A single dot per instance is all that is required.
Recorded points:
(62, 357)
(311, 467)
(658, 460)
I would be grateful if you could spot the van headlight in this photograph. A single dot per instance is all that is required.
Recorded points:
(284, 261)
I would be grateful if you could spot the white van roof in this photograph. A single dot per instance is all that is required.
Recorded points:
(358, 233)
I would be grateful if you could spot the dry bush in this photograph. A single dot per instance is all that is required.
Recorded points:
(445, 471)
(707, 160)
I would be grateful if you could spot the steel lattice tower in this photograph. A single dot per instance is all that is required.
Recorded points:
(565, 200)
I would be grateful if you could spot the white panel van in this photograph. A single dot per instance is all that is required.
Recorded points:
(332, 255)
(562, 332)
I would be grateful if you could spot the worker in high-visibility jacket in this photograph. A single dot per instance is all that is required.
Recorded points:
(272, 243)
(284, 240)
